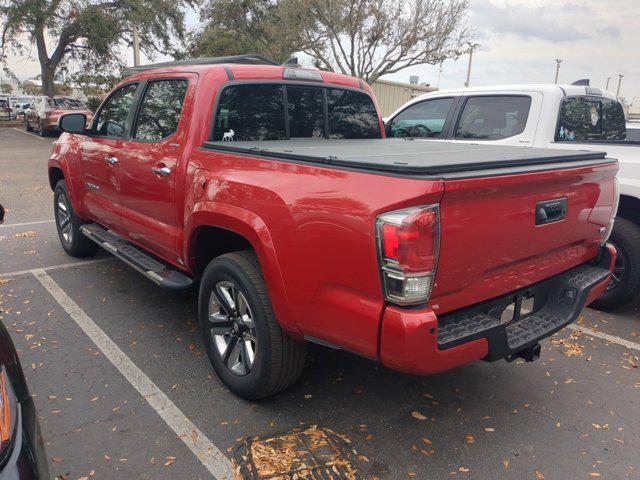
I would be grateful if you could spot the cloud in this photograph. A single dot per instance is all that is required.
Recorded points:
(575, 8)
(525, 22)
(610, 31)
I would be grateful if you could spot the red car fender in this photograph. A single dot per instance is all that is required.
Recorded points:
(65, 158)
(252, 227)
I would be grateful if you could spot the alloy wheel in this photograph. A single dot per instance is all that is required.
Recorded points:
(63, 218)
(232, 328)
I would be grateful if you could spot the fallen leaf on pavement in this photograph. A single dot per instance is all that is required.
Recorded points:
(418, 416)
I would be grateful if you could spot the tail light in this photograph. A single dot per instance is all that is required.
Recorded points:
(614, 211)
(408, 247)
(8, 413)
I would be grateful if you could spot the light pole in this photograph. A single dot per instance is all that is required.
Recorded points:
(136, 47)
(439, 75)
(558, 62)
(472, 47)
(607, 87)
(619, 82)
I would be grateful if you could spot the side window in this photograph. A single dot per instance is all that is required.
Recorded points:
(352, 115)
(493, 117)
(424, 119)
(306, 112)
(590, 118)
(111, 120)
(160, 109)
(250, 112)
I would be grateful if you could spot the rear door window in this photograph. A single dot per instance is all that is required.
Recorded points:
(425, 119)
(352, 115)
(160, 110)
(493, 117)
(250, 112)
(111, 120)
(590, 118)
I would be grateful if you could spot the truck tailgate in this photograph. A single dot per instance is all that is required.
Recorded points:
(495, 239)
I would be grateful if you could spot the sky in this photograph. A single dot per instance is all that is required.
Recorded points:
(519, 42)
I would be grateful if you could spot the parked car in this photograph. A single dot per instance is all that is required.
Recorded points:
(22, 451)
(5, 110)
(273, 190)
(19, 105)
(44, 113)
(574, 117)
(633, 131)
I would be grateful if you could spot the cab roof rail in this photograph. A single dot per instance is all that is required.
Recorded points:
(249, 59)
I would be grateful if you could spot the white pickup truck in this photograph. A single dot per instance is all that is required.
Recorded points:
(576, 117)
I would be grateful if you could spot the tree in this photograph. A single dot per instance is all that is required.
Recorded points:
(371, 38)
(30, 88)
(233, 27)
(363, 38)
(89, 31)
(6, 87)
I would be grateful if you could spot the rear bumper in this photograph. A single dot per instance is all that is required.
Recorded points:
(418, 342)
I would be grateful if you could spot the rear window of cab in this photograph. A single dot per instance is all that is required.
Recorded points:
(590, 118)
(281, 111)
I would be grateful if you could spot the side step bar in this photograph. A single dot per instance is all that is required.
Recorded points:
(159, 273)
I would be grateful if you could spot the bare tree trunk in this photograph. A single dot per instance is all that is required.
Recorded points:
(47, 68)
(48, 72)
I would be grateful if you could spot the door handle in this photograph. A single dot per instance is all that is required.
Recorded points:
(111, 160)
(164, 171)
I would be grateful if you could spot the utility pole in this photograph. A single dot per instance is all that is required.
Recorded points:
(439, 75)
(472, 47)
(607, 87)
(619, 82)
(558, 62)
(136, 47)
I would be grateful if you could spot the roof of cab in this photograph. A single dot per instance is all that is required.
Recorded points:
(237, 67)
(533, 87)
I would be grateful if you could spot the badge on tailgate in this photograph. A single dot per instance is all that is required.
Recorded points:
(550, 211)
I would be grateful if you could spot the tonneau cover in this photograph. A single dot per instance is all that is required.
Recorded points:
(405, 155)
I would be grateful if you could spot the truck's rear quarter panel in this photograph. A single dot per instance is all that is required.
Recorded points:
(321, 223)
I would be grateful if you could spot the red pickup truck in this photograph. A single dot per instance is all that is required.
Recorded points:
(273, 190)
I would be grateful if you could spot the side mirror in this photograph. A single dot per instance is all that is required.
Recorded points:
(73, 123)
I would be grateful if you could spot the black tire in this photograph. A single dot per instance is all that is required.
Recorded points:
(27, 126)
(72, 240)
(279, 359)
(626, 238)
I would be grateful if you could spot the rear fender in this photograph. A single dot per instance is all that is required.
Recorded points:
(250, 226)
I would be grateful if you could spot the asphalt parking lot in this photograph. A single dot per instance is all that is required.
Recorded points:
(125, 391)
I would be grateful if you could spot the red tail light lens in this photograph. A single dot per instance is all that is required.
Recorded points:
(408, 242)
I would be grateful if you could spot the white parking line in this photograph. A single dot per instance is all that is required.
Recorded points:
(209, 455)
(30, 134)
(56, 267)
(25, 224)
(605, 336)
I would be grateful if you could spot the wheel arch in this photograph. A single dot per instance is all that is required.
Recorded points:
(213, 229)
(629, 208)
(55, 175)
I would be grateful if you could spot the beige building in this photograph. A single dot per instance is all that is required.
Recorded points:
(633, 111)
(392, 95)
